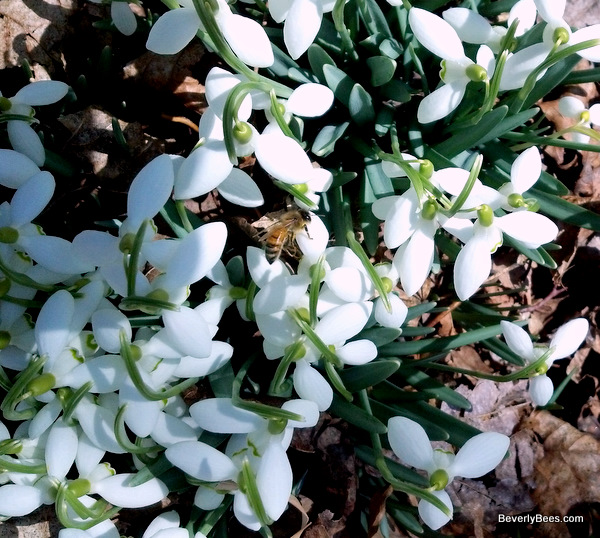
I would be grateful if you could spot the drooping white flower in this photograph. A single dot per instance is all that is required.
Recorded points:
(478, 456)
(571, 107)
(565, 342)
(439, 37)
(524, 173)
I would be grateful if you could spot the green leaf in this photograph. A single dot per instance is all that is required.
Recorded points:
(560, 209)
(369, 223)
(374, 19)
(502, 350)
(582, 76)
(339, 83)
(538, 255)
(382, 69)
(282, 64)
(418, 310)
(433, 388)
(360, 105)
(318, 58)
(380, 183)
(384, 120)
(401, 472)
(324, 143)
(357, 416)
(368, 375)
(301, 75)
(439, 345)
(379, 335)
(417, 331)
(390, 48)
(396, 90)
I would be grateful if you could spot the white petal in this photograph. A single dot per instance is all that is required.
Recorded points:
(585, 34)
(526, 12)
(261, 271)
(526, 170)
(595, 114)
(52, 325)
(530, 228)
(441, 102)
(349, 284)
(219, 84)
(247, 39)
(472, 267)
(207, 498)
(283, 158)
(16, 500)
(302, 24)
(433, 516)
(518, 340)
(114, 489)
(274, 480)
(479, 455)
(219, 415)
(170, 430)
(141, 414)
(221, 352)
(541, 389)
(551, 9)
(357, 352)
(396, 317)
(243, 512)
(401, 219)
(414, 261)
(571, 107)
(311, 385)
(98, 424)
(15, 168)
(55, 253)
(201, 461)
(313, 242)
(279, 328)
(173, 31)
(123, 17)
(42, 92)
(521, 64)
(240, 189)
(31, 198)
(61, 449)
(279, 9)
(306, 409)
(189, 331)
(310, 100)
(469, 25)
(436, 35)
(150, 189)
(107, 325)
(568, 338)
(168, 520)
(106, 374)
(410, 443)
(342, 323)
(281, 293)
(25, 140)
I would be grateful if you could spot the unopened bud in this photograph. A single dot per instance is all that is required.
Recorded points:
(80, 487)
(476, 73)
(439, 479)
(242, 132)
(561, 35)
(426, 168)
(41, 384)
(515, 200)
(429, 210)
(485, 215)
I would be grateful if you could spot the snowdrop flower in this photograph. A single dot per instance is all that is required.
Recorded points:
(571, 107)
(302, 22)
(437, 36)
(122, 16)
(22, 137)
(167, 525)
(176, 28)
(474, 261)
(524, 173)
(565, 342)
(393, 319)
(478, 456)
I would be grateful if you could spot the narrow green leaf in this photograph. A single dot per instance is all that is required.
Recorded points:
(582, 76)
(390, 48)
(374, 19)
(318, 58)
(380, 183)
(560, 209)
(502, 350)
(418, 310)
(368, 375)
(339, 83)
(324, 143)
(538, 255)
(384, 120)
(379, 335)
(360, 105)
(356, 416)
(382, 69)
(401, 472)
(386, 411)
(427, 385)
(396, 90)
(438, 345)
(417, 331)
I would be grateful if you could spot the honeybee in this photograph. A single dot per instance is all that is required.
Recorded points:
(280, 236)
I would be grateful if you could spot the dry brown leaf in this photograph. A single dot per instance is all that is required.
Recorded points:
(568, 473)
(466, 357)
(32, 31)
(377, 511)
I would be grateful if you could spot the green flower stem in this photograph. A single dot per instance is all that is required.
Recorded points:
(17, 117)
(554, 57)
(249, 310)
(27, 303)
(144, 390)
(526, 139)
(251, 490)
(291, 355)
(12, 465)
(523, 373)
(182, 212)
(340, 26)
(71, 403)
(385, 470)
(24, 280)
(5, 382)
(283, 125)
(295, 192)
(375, 278)
(462, 197)
(149, 305)
(336, 381)
(16, 393)
(261, 409)
(314, 338)
(95, 515)
(316, 275)
(134, 257)
(123, 439)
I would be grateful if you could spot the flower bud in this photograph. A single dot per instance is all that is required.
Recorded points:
(279, 110)
(560, 36)
(476, 73)
(242, 132)
(304, 314)
(8, 235)
(41, 384)
(426, 168)
(388, 285)
(297, 349)
(515, 200)
(79, 487)
(429, 210)
(585, 116)
(485, 215)
(301, 188)
(439, 479)
(313, 268)
(136, 352)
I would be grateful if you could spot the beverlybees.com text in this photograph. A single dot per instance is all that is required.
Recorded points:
(539, 518)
